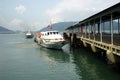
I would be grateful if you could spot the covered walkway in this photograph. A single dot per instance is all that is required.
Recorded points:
(101, 30)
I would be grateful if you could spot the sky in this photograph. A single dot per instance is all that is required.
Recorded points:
(36, 14)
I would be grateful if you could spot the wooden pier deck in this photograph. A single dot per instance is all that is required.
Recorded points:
(100, 31)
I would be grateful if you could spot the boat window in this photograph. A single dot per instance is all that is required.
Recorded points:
(48, 33)
(53, 32)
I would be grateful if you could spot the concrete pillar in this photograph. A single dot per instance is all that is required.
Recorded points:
(85, 44)
(98, 28)
(85, 30)
(94, 49)
(74, 41)
(94, 30)
(111, 25)
(70, 35)
(81, 31)
(101, 29)
(110, 57)
(89, 29)
(118, 25)
(103, 26)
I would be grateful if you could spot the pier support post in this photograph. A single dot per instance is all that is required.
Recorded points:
(118, 26)
(74, 41)
(85, 44)
(110, 57)
(93, 48)
(70, 35)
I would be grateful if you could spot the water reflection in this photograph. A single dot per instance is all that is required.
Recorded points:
(59, 62)
(22, 59)
(91, 68)
(55, 55)
(81, 61)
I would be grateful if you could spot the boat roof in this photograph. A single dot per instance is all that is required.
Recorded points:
(49, 31)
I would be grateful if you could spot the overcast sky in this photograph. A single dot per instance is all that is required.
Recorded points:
(36, 14)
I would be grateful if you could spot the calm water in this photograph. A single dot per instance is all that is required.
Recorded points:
(22, 59)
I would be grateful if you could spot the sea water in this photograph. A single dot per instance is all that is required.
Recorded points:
(22, 59)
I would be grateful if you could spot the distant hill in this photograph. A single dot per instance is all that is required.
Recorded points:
(5, 30)
(61, 26)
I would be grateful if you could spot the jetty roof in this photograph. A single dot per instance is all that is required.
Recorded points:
(105, 14)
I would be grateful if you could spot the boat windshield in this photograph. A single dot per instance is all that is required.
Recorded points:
(50, 33)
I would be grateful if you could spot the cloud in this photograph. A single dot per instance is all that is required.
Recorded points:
(18, 24)
(20, 9)
(35, 26)
(3, 22)
(78, 9)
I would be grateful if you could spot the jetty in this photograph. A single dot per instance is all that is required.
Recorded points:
(101, 32)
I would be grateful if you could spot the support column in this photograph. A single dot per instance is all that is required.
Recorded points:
(77, 30)
(100, 29)
(103, 26)
(118, 26)
(70, 35)
(82, 31)
(85, 30)
(89, 29)
(94, 29)
(92, 32)
(110, 57)
(94, 49)
(111, 25)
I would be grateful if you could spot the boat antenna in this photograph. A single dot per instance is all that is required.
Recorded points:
(50, 25)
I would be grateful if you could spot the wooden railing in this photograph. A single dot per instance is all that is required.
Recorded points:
(106, 38)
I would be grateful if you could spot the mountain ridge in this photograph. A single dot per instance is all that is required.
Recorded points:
(61, 26)
(4, 30)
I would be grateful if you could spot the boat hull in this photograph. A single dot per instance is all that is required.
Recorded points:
(53, 45)
(29, 36)
(50, 45)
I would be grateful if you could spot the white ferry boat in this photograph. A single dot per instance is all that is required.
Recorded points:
(50, 39)
(29, 34)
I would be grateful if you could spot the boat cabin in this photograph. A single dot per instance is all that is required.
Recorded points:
(47, 33)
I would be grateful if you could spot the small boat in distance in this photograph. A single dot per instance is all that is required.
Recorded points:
(50, 39)
(29, 34)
